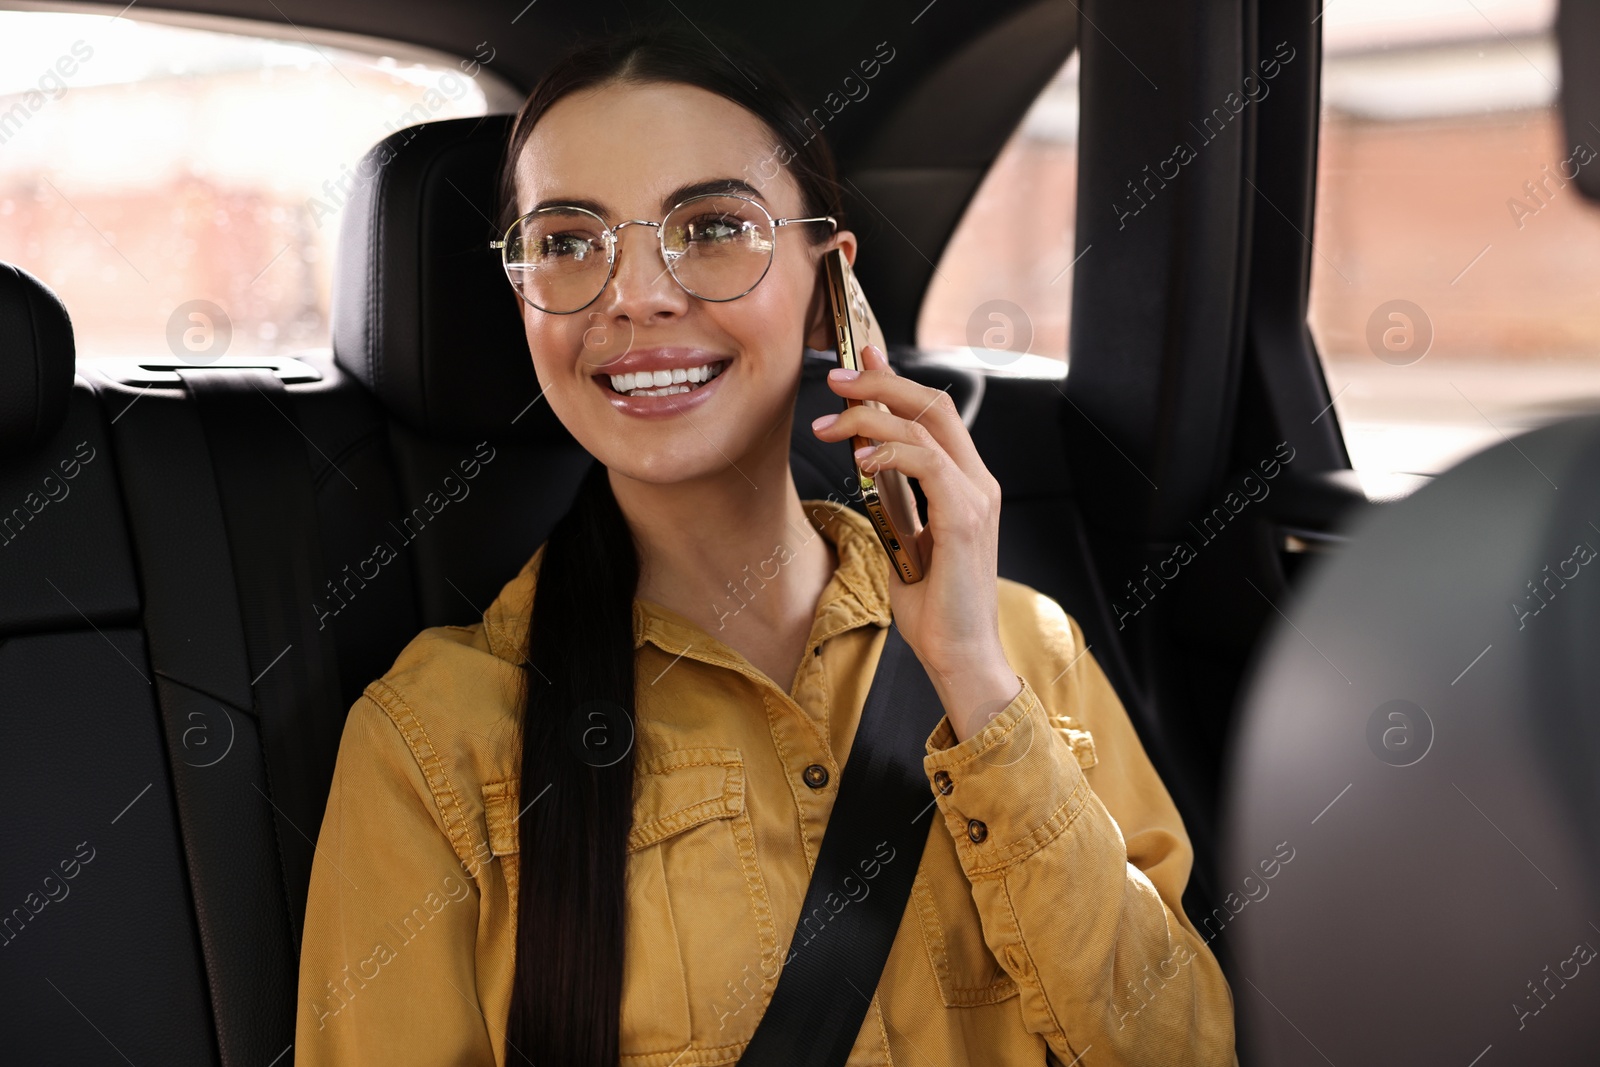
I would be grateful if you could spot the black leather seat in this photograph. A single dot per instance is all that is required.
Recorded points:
(101, 953)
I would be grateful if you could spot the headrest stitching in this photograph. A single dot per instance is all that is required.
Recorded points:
(39, 370)
(374, 289)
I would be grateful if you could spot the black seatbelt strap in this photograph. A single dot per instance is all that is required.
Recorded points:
(202, 678)
(264, 484)
(875, 836)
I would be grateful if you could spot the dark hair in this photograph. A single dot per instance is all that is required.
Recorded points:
(566, 995)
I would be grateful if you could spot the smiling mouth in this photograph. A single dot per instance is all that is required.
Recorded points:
(663, 382)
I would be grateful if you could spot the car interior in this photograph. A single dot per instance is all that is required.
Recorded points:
(204, 561)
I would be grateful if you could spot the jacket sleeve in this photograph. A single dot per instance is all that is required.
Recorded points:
(387, 963)
(1078, 860)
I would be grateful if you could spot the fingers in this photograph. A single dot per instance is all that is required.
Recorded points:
(910, 404)
(880, 425)
(956, 505)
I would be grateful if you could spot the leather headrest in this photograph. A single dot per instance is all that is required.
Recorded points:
(422, 314)
(36, 360)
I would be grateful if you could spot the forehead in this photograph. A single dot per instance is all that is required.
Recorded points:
(628, 146)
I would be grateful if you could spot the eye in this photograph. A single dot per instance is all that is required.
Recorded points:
(569, 245)
(714, 229)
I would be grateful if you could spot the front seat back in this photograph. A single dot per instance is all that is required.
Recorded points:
(1412, 846)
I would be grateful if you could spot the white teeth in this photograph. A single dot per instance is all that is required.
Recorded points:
(671, 390)
(665, 382)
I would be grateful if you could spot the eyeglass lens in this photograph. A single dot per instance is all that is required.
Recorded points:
(717, 248)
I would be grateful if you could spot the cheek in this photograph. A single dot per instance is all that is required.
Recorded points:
(568, 347)
(776, 309)
(553, 343)
(765, 326)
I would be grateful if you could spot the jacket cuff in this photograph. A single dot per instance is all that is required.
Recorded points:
(1012, 787)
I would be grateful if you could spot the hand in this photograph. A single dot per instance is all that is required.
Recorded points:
(951, 619)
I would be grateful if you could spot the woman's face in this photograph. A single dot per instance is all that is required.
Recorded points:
(630, 149)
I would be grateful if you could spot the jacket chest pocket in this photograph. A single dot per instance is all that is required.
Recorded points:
(952, 930)
(700, 937)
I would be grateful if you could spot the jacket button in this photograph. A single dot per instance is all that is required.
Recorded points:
(816, 776)
(976, 831)
(942, 780)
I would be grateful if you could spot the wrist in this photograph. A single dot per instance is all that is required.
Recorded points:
(974, 695)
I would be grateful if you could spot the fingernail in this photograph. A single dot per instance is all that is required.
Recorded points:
(843, 374)
(861, 453)
(824, 422)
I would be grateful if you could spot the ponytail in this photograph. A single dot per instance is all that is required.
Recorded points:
(577, 786)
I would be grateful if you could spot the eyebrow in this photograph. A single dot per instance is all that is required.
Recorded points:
(668, 202)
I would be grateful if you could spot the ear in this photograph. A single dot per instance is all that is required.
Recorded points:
(819, 320)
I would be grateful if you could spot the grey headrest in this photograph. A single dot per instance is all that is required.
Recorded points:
(1413, 850)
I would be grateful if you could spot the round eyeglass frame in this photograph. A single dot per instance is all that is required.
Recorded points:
(609, 235)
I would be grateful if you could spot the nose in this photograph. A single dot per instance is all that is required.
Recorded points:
(642, 288)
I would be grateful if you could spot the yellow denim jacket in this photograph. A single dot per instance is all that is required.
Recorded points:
(1057, 937)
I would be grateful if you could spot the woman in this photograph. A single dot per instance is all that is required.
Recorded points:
(580, 832)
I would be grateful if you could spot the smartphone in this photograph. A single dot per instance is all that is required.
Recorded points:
(887, 493)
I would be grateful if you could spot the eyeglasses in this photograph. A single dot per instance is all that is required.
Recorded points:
(717, 246)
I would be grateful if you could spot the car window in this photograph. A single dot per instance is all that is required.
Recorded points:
(1455, 285)
(181, 189)
(1003, 288)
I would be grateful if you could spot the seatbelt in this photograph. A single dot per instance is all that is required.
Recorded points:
(223, 721)
(264, 485)
(836, 957)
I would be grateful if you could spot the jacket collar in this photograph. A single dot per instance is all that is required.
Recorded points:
(856, 594)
